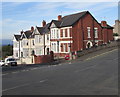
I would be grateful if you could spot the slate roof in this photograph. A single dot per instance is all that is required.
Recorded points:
(43, 30)
(46, 28)
(28, 33)
(40, 29)
(56, 22)
(109, 27)
(17, 37)
(69, 20)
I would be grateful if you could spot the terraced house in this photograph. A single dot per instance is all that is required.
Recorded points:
(42, 39)
(67, 34)
(78, 31)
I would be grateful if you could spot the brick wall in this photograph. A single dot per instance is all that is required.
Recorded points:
(43, 59)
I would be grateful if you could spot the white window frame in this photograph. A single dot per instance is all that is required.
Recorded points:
(63, 32)
(88, 32)
(57, 31)
(64, 48)
(96, 32)
(68, 31)
(52, 34)
(54, 47)
(47, 37)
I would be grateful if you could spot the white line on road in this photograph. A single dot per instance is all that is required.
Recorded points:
(15, 87)
(86, 68)
(59, 64)
(23, 85)
(33, 68)
(100, 55)
(16, 72)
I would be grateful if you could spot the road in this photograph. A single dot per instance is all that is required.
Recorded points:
(96, 75)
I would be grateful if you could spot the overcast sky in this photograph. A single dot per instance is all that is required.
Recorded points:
(17, 16)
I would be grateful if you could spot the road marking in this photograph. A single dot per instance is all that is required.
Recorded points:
(23, 70)
(15, 72)
(42, 81)
(23, 85)
(59, 64)
(33, 68)
(100, 55)
(86, 68)
(49, 66)
(15, 87)
(4, 74)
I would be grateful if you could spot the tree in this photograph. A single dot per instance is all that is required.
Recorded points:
(7, 50)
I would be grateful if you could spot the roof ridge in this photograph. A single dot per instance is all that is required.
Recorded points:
(75, 13)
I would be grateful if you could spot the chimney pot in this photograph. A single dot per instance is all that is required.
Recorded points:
(103, 23)
(21, 32)
(43, 23)
(59, 17)
(32, 29)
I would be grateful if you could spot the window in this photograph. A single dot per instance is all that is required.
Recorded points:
(33, 42)
(27, 43)
(47, 37)
(64, 48)
(40, 52)
(69, 46)
(68, 32)
(16, 54)
(63, 32)
(39, 39)
(51, 34)
(54, 47)
(54, 34)
(57, 34)
(96, 32)
(21, 54)
(88, 31)
(15, 44)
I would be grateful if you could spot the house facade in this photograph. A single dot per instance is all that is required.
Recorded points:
(27, 43)
(117, 27)
(42, 39)
(63, 36)
(16, 46)
(77, 32)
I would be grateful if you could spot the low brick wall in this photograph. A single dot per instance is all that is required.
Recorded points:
(43, 59)
(112, 44)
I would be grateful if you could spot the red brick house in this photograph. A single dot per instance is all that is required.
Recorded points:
(78, 31)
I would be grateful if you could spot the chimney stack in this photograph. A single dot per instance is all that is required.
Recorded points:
(43, 23)
(32, 29)
(21, 32)
(59, 17)
(103, 23)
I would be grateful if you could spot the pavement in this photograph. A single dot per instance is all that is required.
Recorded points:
(93, 74)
